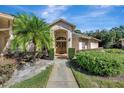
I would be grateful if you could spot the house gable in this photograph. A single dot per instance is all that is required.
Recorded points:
(62, 24)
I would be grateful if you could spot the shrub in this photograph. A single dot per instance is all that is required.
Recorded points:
(7, 67)
(51, 53)
(71, 53)
(99, 63)
(118, 51)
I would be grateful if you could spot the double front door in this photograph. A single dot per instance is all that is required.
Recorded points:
(61, 47)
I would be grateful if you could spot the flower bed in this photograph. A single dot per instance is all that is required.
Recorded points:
(7, 67)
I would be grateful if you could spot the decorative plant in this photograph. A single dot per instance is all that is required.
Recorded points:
(51, 53)
(71, 53)
(28, 27)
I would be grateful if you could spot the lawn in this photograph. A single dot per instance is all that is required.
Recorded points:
(38, 81)
(88, 80)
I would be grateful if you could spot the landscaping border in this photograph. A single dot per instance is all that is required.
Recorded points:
(49, 75)
(75, 77)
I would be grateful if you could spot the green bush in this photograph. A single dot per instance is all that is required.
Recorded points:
(118, 51)
(71, 53)
(51, 53)
(99, 63)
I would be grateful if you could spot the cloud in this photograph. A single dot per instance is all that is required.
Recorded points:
(96, 17)
(100, 11)
(53, 12)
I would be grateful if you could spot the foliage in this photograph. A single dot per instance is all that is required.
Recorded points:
(109, 38)
(38, 81)
(51, 53)
(118, 51)
(7, 67)
(78, 31)
(99, 63)
(71, 53)
(28, 27)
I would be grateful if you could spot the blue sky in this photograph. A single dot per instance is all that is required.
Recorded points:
(84, 17)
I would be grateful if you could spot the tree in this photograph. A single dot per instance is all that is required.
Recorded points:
(78, 31)
(28, 27)
(109, 38)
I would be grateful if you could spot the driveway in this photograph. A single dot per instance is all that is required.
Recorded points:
(61, 76)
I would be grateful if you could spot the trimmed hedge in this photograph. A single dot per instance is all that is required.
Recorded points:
(51, 53)
(118, 51)
(99, 63)
(71, 53)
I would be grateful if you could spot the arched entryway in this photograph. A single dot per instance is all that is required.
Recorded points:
(61, 41)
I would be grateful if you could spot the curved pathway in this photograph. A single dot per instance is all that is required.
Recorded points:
(61, 76)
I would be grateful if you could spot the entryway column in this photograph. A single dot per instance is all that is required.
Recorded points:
(69, 39)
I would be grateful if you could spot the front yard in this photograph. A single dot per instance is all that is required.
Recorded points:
(90, 81)
(38, 81)
(7, 67)
(113, 76)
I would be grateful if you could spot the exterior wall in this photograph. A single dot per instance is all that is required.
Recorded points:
(94, 44)
(75, 43)
(82, 43)
(5, 33)
(4, 36)
(4, 23)
(64, 25)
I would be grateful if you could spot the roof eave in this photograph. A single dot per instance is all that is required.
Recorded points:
(87, 37)
(6, 16)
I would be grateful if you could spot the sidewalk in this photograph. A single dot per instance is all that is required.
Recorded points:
(61, 76)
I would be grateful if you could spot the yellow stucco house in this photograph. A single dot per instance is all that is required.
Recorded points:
(5, 31)
(63, 32)
(65, 37)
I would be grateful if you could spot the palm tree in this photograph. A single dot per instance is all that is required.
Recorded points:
(28, 27)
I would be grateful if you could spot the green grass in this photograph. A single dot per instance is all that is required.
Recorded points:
(117, 51)
(38, 81)
(89, 81)
(86, 80)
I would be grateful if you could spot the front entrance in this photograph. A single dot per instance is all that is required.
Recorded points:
(61, 41)
(60, 47)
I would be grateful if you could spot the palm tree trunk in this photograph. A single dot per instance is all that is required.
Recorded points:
(34, 45)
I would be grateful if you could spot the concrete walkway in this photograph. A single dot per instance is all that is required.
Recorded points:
(61, 76)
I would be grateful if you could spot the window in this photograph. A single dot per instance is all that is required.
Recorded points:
(60, 38)
(81, 45)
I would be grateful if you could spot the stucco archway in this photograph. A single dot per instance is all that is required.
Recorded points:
(61, 37)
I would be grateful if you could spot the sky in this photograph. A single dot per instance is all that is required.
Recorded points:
(85, 17)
